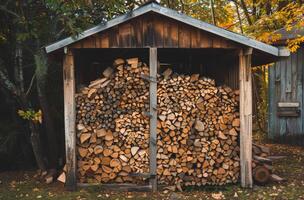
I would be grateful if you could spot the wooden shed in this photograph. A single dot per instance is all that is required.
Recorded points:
(286, 95)
(161, 35)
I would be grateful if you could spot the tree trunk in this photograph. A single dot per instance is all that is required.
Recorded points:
(36, 145)
(41, 78)
(23, 102)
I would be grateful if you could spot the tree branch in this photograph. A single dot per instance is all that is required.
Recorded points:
(7, 84)
(31, 85)
(244, 7)
(3, 8)
(239, 17)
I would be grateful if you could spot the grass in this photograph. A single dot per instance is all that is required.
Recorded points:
(23, 185)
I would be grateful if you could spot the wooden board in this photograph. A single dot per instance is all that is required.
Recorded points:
(69, 119)
(289, 104)
(118, 187)
(153, 116)
(245, 117)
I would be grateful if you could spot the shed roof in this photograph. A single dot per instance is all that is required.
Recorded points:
(289, 34)
(156, 8)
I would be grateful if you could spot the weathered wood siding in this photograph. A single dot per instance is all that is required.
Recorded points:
(154, 30)
(286, 85)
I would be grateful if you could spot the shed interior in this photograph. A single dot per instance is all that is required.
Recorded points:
(218, 64)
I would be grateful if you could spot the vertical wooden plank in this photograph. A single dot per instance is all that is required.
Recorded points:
(153, 118)
(173, 34)
(158, 31)
(271, 102)
(125, 35)
(170, 34)
(114, 37)
(205, 40)
(286, 126)
(216, 41)
(145, 30)
(76, 45)
(97, 41)
(195, 38)
(89, 42)
(283, 96)
(104, 40)
(300, 93)
(166, 33)
(184, 37)
(288, 73)
(136, 32)
(302, 83)
(292, 122)
(245, 117)
(69, 119)
(148, 30)
(234, 77)
(277, 97)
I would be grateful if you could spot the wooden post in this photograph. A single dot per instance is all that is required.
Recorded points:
(245, 117)
(153, 117)
(69, 119)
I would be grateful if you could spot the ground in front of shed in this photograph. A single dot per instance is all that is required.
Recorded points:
(22, 185)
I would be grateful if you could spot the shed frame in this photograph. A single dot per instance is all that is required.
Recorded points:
(244, 47)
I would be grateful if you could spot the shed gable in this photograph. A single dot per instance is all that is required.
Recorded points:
(154, 30)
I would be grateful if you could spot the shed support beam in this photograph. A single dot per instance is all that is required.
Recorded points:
(69, 119)
(153, 117)
(245, 117)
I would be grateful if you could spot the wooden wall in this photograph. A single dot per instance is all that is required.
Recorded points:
(153, 30)
(286, 85)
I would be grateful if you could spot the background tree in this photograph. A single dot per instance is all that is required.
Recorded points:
(27, 25)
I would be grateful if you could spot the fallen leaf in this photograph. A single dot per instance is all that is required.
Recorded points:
(50, 194)
(217, 196)
(235, 195)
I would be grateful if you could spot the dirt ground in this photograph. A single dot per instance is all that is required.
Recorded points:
(22, 185)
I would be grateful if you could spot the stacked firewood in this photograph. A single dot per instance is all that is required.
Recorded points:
(113, 132)
(197, 130)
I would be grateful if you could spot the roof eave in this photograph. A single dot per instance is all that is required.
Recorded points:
(283, 51)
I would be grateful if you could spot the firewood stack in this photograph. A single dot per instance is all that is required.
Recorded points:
(113, 132)
(197, 130)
